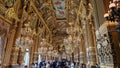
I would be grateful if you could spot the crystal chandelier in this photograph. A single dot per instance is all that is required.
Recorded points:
(71, 43)
(72, 40)
(44, 42)
(113, 16)
(26, 38)
(50, 51)
(114, 11)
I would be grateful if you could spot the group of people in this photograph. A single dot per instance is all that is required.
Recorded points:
(58, 64)
(55, 64)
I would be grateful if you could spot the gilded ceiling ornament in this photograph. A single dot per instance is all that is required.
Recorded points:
(33, 19)
(9, 3)
(10, 13)
(61, 48)
(83, 10)
(37, 2)
(90, 10)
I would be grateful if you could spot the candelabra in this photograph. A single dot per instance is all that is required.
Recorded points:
(113, 15)
(114, 11)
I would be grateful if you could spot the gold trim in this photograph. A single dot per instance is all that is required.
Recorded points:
(6, 20)
(39, 15)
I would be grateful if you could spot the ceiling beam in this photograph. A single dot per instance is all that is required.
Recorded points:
(40, 16)
(5, 19)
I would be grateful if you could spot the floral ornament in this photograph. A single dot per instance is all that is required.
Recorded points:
(10, 13)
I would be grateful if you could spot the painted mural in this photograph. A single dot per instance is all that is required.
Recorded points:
(59, 6)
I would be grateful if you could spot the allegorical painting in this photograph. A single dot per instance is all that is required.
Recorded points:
(59, 6)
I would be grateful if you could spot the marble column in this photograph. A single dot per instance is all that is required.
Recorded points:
(7, 55)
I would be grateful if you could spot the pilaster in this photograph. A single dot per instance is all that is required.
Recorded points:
(20, 57)
(14, 55)
(82, 52)
(34, 50)
(86, 43)
(15, 49)
(8, 52)
(31, 53)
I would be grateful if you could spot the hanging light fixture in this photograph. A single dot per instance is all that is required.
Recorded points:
(26, 38)
(113, 15)
(114, 11)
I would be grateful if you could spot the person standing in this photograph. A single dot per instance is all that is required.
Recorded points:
(97, 66)
(72, 65)
(47, 65)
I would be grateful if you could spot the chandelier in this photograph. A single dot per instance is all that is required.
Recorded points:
(45, 48)
(72, 29)
(44, 42)
(113, 15)
(114, 11)
(72, 40)
(70, 43)
(26, 38)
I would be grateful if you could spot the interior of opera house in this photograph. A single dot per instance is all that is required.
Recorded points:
(59, 33)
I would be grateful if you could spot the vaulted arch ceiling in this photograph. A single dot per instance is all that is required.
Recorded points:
(50, 19)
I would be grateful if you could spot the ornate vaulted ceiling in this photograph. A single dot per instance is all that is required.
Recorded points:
(50, 19)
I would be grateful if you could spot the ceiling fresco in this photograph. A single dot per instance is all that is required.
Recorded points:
(50, 19)
(59, 6)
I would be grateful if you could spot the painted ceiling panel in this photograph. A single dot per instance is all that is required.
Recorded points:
(59, 6)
